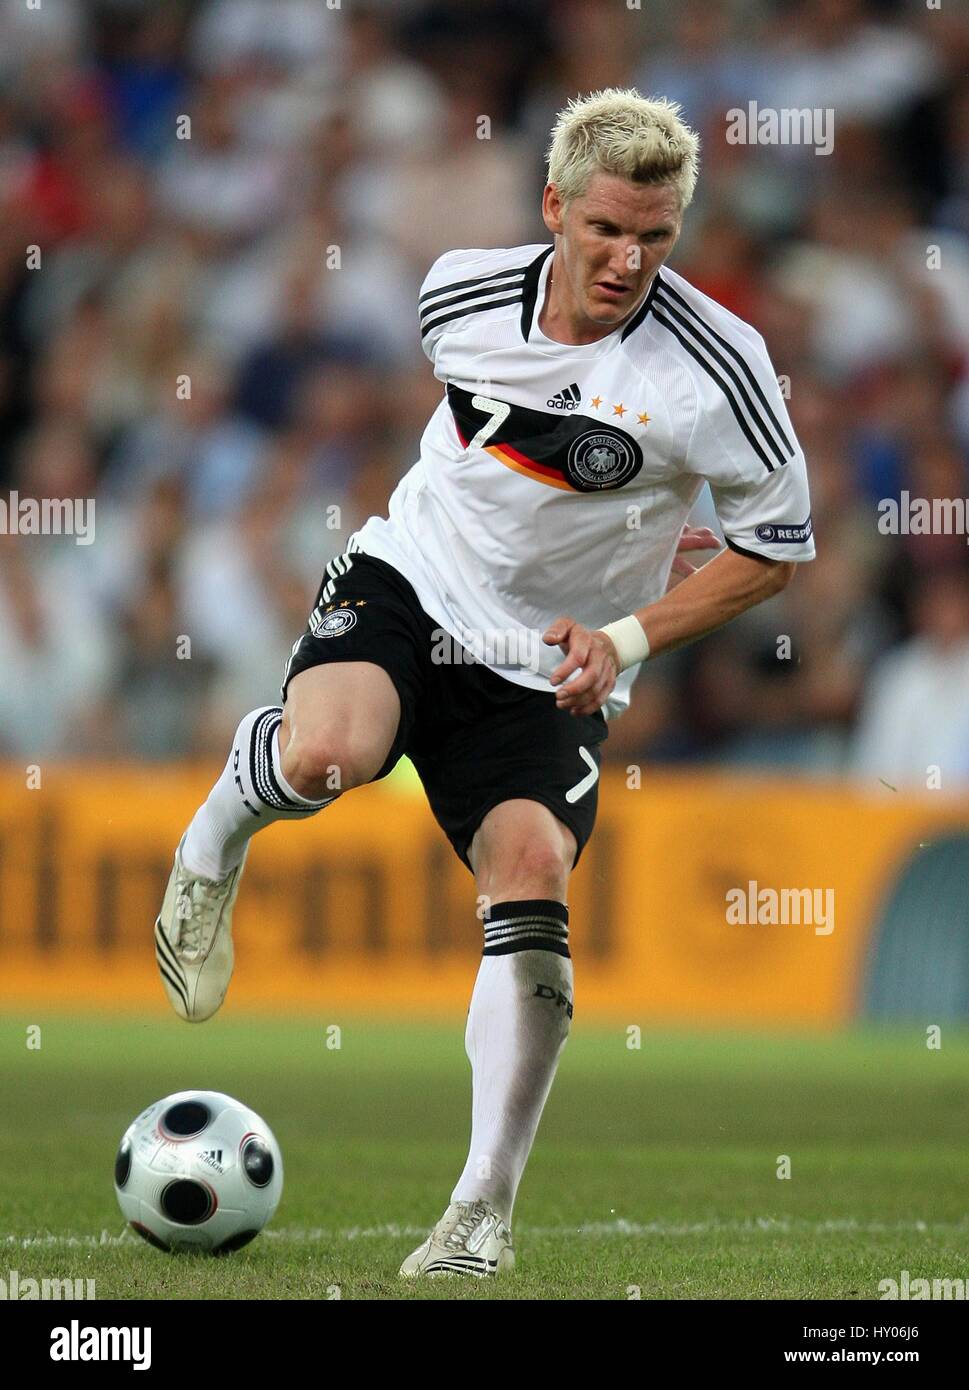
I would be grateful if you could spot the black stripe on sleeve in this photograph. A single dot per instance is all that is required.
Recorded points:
(739, 358)
(475, 280)
(718, 357)
(503, 286)
(468, 309)
(712, 372)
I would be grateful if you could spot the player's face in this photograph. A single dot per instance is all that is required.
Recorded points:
(613, 240)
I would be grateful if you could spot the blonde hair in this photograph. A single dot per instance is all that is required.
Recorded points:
(621, 132)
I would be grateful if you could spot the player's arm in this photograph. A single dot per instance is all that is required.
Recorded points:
(758, 483)
(710, 597)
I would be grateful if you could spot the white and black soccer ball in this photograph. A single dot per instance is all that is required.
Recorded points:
(198, 1171)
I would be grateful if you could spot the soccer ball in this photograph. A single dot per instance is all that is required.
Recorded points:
(198, 1171)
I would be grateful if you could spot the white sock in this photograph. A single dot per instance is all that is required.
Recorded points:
(251, 793)
(518, 1022)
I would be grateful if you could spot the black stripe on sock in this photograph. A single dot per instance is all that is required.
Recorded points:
(528, 907)
(528, 943)
(263, 773)
(554, 938)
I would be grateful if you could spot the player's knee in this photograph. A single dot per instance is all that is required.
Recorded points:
(323, 764)
(538, 868)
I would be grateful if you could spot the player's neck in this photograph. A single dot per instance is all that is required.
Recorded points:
(561, 319)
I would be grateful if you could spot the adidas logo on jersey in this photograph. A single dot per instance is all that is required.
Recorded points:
(569, 399)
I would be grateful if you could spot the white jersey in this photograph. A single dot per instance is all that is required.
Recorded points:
(555, 479)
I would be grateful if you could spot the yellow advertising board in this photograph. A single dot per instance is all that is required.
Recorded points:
(701, 899)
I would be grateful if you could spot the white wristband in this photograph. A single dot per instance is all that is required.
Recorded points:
(629, 640)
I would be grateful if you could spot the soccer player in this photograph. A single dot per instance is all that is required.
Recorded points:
(490, 625)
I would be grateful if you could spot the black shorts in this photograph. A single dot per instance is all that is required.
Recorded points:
(475, 738)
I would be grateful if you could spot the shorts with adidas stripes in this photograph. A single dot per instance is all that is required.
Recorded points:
(475, 738)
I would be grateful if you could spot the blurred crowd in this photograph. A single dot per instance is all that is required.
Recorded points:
(270, 250)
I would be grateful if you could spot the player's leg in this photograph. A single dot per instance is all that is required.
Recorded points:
(287, 763)
(517, 1025)
(513, 782)
(338, 725)
(521, 1006)
(349, 696)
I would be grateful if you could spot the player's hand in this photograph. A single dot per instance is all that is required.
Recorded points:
(589, 654)
(693, 538)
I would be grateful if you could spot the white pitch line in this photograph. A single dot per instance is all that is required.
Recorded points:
(764, 1225)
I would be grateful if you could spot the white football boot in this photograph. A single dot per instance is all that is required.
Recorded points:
(193, 939)
(470, 1238)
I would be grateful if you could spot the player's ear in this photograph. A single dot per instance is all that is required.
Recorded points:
(552, 209)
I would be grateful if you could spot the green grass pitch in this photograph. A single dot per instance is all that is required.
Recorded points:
(654, 1169)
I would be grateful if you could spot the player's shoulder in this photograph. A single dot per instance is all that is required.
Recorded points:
(693, 317)
(461, 285)
(480, 261)
(726, 357)
(734, 380)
